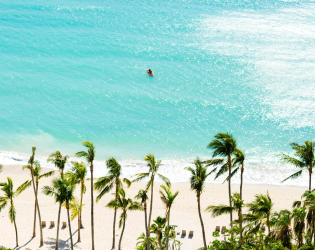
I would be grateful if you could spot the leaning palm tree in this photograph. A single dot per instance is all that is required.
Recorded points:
(167, 198)
(304, 159)
(197, 183)
(143, 197)
(37, 176)
(89, 156)
(31, 162)
(106, 183)
(58, 160)
(237, 205)
(124, 204)
(77, 174)
(223, 145)
(153, 170)
(9, 195)
(76, 209)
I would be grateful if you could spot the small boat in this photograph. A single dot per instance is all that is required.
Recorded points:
(149, 73)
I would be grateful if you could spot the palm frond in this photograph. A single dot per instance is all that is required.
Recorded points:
(23, 187)
(294, 176)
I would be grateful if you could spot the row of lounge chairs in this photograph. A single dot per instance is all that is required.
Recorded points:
(52, 224)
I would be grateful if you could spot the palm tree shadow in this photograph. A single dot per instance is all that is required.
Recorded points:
(63, 244)
(20, 247)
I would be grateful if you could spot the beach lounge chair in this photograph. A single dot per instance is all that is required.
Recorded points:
(52, 224)
(222, 229)
(27, 249)
(263, 229)
(183, 233)
(43, 223)
(217, 228)
(64, 224)
(173, 231)
(178, 232)
(191, 234)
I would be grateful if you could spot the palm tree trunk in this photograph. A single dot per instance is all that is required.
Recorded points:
(201, 222)
(122, 233)
(36, 201)
(16, 233)
(115, 213)
(81, 226)
(79, 229)
(310, 181)
(230, 201)
(70, 228)
(92, 206)
(240, 218)
(241, 186)
(58, 224)
(34, 225)
(146, 225)
(168, 228)
(151, 202)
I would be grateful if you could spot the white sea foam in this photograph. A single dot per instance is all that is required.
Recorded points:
(263, 170)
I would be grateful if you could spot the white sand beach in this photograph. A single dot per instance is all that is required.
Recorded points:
(184, 214)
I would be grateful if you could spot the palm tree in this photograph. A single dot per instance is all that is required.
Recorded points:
(197, 183)
(78, 174)
(304, 159)
(89, 157)
(153, 170)
(58, 189)
(76, 209)
(58, 160)
(143, 196)
(106, 183)
(260, 211)
(298, 215)
(9, 195)
(157, 229)
(238, 163)
(37, 176)
(31, 162)
(124, 204)
(168, 199)
(237, 205)
(223, 145)
(282, 222)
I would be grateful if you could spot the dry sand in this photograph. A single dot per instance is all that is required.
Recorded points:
(184, 214)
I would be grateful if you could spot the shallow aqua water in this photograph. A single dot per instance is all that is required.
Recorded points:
(73, 71)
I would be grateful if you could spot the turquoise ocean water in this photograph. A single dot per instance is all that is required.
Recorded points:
(74, 70)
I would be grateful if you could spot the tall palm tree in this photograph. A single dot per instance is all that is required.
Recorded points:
(197, 183)
(282, 223)
(237, 205)
(76, 209)
(157, 228)
(106, 183)
(143, 197)
(77, 174)
(9, 195)
(37, 176)
(89, 156)
(260, 211)
(298, 215)
(304, 159)
(124, 204)
(223, 145)
(153, 171)
(238, 163)
(58, 160)
(31, 162)
(168, 198)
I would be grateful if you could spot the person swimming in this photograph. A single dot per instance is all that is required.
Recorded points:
(150, 71)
